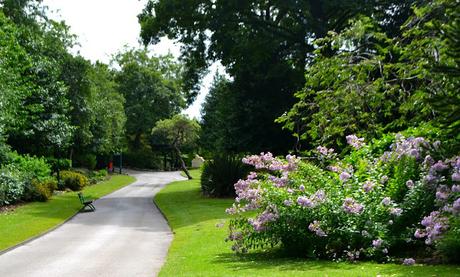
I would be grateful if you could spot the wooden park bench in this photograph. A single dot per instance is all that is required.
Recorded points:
(86, 202)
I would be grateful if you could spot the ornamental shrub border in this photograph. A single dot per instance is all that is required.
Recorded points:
(400, 205)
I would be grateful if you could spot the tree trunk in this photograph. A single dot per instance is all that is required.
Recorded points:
(182, 163)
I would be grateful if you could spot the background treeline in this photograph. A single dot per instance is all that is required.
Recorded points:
(58, 110)
(364, 67)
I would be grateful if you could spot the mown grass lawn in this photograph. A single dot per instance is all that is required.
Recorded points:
(199, 247)
(35, 218)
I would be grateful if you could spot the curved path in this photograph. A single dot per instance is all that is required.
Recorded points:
(126, 236)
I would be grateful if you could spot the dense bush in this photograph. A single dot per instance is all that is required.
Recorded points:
(365, 206)
(219, 175)
(98, 176)
(11, 187)
(63, 164)
(73, 180)
(40, 190)
(87, 160)
(143, 158)
(30, 167)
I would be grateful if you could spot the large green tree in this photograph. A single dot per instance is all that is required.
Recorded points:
(373, 83)
(265, 47)
(152, 90)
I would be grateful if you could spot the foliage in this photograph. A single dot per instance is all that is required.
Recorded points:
(87, 160)
(151, 87)
(108, 110)
(449, 245)
(178, 132)
(365, 206)
(73, 180)
(62, 164)
(265, 47)
(366, 82)
(220, 173)
(11, 187)
(30, 167)
(142, 158)
(98, 176)
(40, 190)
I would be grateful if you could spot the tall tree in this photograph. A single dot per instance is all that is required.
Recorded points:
(264, 45)
(373, 83)
(152, 90)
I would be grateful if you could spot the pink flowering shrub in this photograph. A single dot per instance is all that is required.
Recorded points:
(365, 206)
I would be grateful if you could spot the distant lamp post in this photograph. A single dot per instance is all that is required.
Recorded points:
(120, 161)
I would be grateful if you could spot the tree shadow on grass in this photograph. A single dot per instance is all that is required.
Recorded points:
(190, 207)
(277, 262)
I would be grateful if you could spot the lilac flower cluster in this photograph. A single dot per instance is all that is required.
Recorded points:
(351, 206)
(409, 261)
(435, 170)
(435, 224)
(326, 153)
(442, 193)
(354, 141)
(410, 184)
(409, 147)
(259, 223)
(344, 176)
(368, 186)
(455, 163)
(377, 243)
(310, 202)
(267, 161)
(315, 226)
(456, 206)
(247, 191)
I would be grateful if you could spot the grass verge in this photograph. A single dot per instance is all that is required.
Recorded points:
(199, 247)
(35, 218)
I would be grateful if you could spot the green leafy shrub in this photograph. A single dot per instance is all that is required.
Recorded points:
(219, 175)
(12, 187)
(73, 180)
(143, 158)
(31, 167)
(98, 176)
(40, 190)
(62, 164)
(449, 245)
(87, 160)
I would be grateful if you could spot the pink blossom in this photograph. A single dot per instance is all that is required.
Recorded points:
(456, 177)
(377, 243)
(410, 184)
(386, 201)
(409, 261)
(351, 206)
(354, 141)
(368, 186)
(396, 211)
(305, 202)
(344, 176)
(315, 227)
(288, 202)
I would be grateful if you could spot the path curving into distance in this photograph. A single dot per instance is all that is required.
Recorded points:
(126, 236)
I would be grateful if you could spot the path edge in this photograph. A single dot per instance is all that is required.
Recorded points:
(39, 235)
(4, 251)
